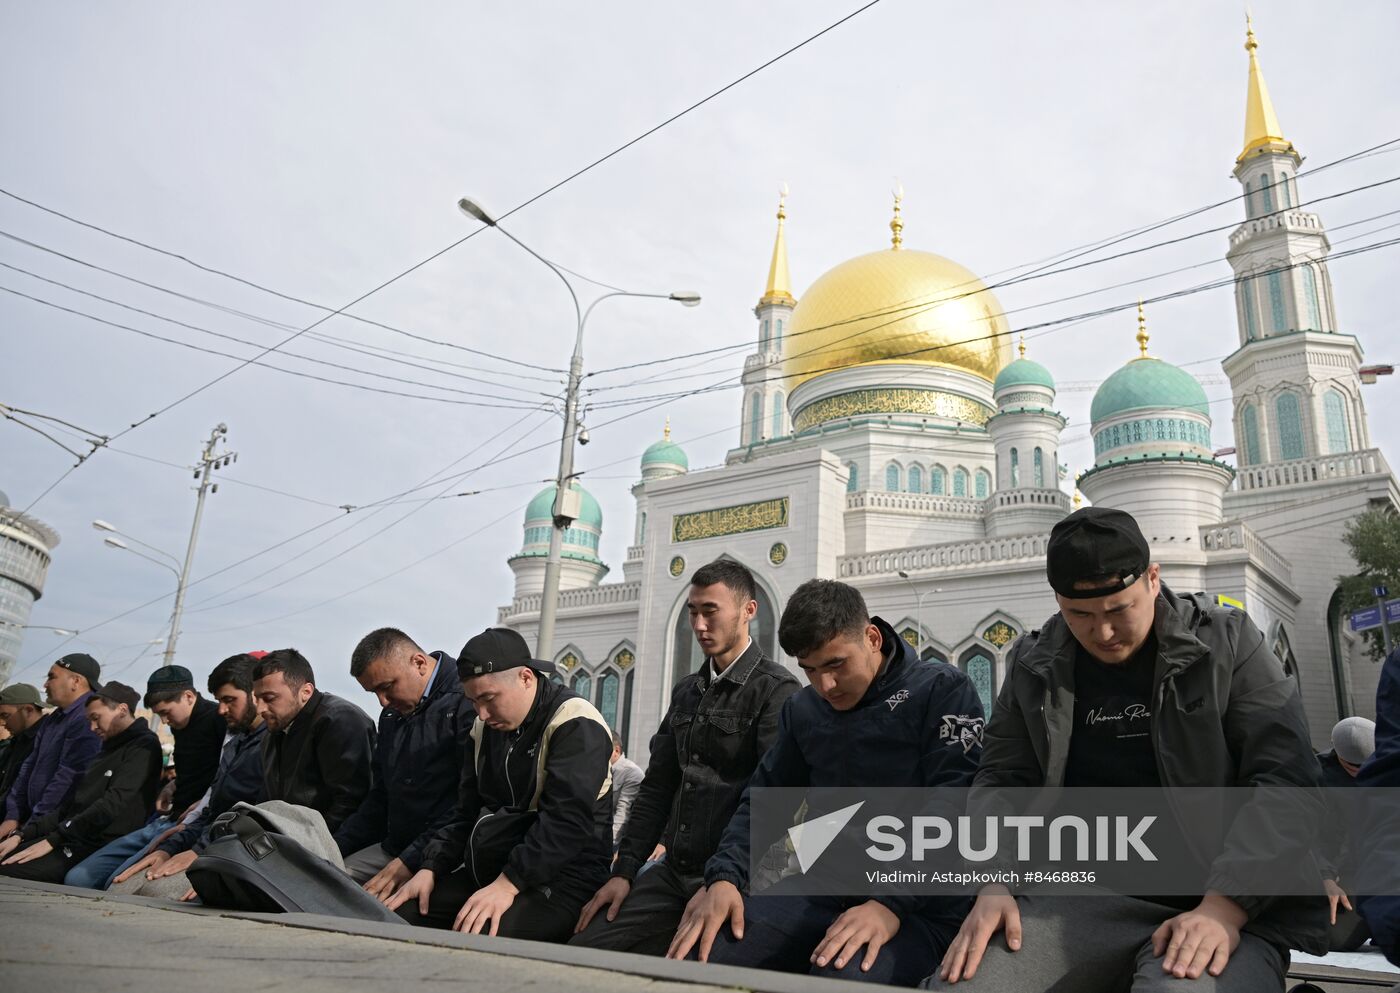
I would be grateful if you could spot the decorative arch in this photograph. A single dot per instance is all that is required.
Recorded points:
(983, 484)
(978, 661)
(1334, 411)
(568, 662)
(852, 477)
(893, 476)
(777, 431)
(755, 417)
(612, 693)
(916, 478)
(960, 481)
(1289, 417)
(938, 480)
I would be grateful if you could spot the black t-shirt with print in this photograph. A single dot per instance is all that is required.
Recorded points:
(1111, 744)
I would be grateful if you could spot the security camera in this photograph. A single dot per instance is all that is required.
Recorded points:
(583, 436)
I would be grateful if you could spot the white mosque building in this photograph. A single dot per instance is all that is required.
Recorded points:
(891, 440)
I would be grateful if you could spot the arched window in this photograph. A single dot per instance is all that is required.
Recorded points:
(960, 482)
(984, 484)
(777, 415)
(977, 664)
(1268, 194)
(1335, 411)
(609, 696)
(1248, 200)
(763, 335)
(1249, 417)
(1245, 289)
(853, 480)
(778, 338)
(1290, 426)
(1039, 469)
(1280, 315)
(642, 529)
(582, 684)
(938, 480)
(1310, 299)
(755, 418)
(892, 477)
(916, 479)
(1283, 199)
(1015, 468)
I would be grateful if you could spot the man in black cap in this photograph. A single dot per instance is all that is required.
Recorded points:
(114, 795)
(199, 739)
(63, 747)
(21, 712)
(532, 828)
(1132, 685)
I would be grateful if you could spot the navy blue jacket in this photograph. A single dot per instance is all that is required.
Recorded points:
(64, 747)
(919, 724)
(1379, 842)
(417, 763)
(239, 780)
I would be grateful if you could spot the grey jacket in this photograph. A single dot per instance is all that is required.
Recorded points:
(1224, 714)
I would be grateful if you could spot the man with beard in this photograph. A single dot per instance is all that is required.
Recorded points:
(115, 795)
(721, 721)
(161, 871)
(21, 711)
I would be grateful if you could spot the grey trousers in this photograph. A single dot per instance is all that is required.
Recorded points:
(365, 864)
(1103, 944)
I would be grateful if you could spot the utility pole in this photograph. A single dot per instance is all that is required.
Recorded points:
(209, 460)
(1381, 593)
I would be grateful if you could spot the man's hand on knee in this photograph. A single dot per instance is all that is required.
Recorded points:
(149, 862)
(609, 895)
(995, 910)
(1200, 940)
(871, 926)
(708, 910)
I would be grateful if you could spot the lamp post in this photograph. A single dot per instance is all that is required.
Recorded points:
(919, 607)
(566, 503)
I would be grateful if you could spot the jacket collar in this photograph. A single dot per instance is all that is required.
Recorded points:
(76, 706)
(138, 728)
(898, 656)
(737, 671)
(1174, 623)
(306, 715)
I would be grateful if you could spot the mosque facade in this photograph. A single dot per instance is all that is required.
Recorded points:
(892, 438)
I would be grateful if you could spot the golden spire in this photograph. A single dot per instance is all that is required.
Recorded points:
(666, 432)
(779, 288)
(1022, 346)
(1261, 127)
(1142, 336)
(1078, 498)
(897, 225)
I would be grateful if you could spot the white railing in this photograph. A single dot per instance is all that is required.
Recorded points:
(1237, 535)
(1289, 218)
(590, 596)
(1032, 497)
(957, 555)
(761, 360)
(1298, 472)
(915, 503)
(634, 552)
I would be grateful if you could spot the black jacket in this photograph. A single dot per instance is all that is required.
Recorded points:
(20, 747)
(417, 765)
(553, 833)
(1334, 853)
(323, 761)
(115, 795)
(707, 747)
(1224, 714)
(919, 725)
(1378, 843)
(197, 748)
(239, 780)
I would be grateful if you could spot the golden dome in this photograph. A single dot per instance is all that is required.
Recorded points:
(897, 305)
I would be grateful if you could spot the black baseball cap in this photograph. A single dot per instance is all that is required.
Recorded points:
(84, 665)
(496, 650)
(1096, 544)
(114, 693)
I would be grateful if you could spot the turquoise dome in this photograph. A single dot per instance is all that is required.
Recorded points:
(665, 452)
(1145, 384)
(1023, 372)
(542, 506)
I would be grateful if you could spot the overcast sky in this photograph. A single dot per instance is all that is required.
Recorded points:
(319, 149)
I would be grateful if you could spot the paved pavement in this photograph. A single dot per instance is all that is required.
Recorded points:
(54, 939)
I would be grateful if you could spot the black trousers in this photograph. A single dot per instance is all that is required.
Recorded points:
(647, 920)
(49, 869)
(535, 914)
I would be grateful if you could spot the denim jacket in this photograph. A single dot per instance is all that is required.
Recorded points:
(709, 743)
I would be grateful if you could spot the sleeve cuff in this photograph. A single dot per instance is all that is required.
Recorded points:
(515, 878)
(724, 876)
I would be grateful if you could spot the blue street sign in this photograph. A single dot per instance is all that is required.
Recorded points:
(1364, 620)
(1380, 592)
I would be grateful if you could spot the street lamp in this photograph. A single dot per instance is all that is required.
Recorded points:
(566, 502)
(100, 525)
(111, 542)
(919, 606)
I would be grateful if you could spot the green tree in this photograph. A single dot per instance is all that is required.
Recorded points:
(1374, 540)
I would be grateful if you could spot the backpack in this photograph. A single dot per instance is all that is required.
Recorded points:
(248, 867)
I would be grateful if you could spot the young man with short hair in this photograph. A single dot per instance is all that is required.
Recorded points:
(199, 739)
(160, 870)
(720, 722)
(532, 827)
(873, 715)
(21, 712)
(1132, 685)
(115, 794)
(417, 760)
(319, 749)
(64, 746)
